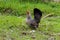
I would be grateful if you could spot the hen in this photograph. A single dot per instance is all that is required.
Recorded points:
(37, 17)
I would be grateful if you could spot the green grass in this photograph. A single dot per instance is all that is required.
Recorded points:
(12, 27)
(19, 8)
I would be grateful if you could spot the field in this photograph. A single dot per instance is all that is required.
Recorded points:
(14, 27)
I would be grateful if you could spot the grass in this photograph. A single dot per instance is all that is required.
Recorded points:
(20, 8)
(13, 27)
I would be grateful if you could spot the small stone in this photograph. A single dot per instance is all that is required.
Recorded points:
(32, 31)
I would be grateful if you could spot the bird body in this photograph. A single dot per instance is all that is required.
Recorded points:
(37, 17)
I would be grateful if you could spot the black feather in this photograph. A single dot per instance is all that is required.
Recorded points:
(37, 15)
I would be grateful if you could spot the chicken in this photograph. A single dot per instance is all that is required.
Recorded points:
(37, 17)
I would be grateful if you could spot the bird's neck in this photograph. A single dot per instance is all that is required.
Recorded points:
(29, 16)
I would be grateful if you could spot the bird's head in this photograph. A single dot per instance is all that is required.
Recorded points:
(28, 13)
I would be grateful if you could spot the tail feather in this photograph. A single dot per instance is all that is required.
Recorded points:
(37, 15)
